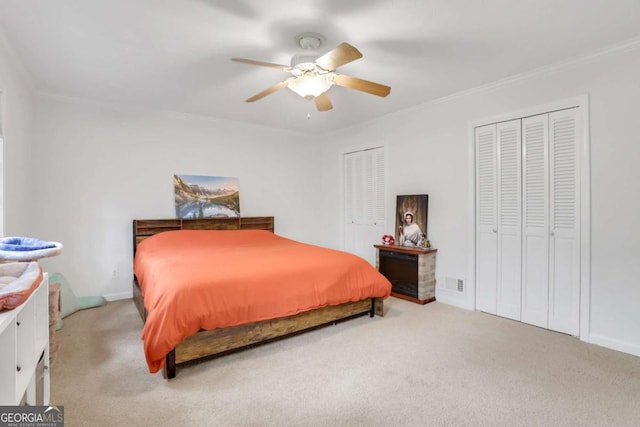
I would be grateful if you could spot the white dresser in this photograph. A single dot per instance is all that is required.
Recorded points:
(24, 350)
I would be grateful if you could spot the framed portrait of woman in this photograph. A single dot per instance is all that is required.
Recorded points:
(411, 220)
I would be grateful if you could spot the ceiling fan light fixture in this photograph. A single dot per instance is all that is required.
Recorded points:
(310, 85)
(312, 75)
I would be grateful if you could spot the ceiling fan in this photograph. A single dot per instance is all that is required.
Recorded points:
(312, 76)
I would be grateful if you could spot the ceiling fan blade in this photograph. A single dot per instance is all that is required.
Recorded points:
(269, 91)
(361, 85)
(263, 64)
(323, 103)
(341, 55)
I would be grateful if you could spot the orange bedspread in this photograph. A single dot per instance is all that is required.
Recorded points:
(196, 279)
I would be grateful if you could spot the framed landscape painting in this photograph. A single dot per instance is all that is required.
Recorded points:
(198, 196)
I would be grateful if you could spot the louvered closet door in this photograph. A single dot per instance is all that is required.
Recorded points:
(564, 244)
(364, 201)
(486, 219)
(509, 220)
(352, 166)
(374, 186)
(535, 221)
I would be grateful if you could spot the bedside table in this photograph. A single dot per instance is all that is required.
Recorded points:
(411, 271)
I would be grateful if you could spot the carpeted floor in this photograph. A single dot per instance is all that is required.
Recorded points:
(432, 365)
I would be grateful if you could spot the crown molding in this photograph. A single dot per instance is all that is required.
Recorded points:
(614, 50)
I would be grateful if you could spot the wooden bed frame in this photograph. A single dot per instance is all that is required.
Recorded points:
(210, 343)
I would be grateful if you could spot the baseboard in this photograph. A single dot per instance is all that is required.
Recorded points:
(119, 296)
(623, 346)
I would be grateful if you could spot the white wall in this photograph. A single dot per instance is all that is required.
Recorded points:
(101, 166)
(93, 168)
(429, 151)
(16, 88)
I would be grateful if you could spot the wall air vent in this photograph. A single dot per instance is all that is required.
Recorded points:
(452, 284)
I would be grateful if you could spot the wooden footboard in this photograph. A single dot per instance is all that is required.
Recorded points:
(218, 342)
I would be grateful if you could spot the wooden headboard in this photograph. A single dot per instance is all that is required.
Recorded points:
(143, 228)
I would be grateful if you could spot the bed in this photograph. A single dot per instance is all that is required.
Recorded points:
(207, 287)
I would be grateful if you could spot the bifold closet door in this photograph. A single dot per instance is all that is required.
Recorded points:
(498, 216)
(551, 221)
(486, 219)
(364, 201)
(565, 133)
(535, 220)
(528, 219)
(509, 219)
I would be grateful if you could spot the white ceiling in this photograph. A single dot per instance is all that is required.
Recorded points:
(175, 54)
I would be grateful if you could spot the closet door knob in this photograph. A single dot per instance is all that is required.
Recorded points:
(495, 230)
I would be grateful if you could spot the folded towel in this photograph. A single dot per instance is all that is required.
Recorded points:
(24, 244)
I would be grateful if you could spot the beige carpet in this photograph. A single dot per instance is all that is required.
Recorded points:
(432, 365)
